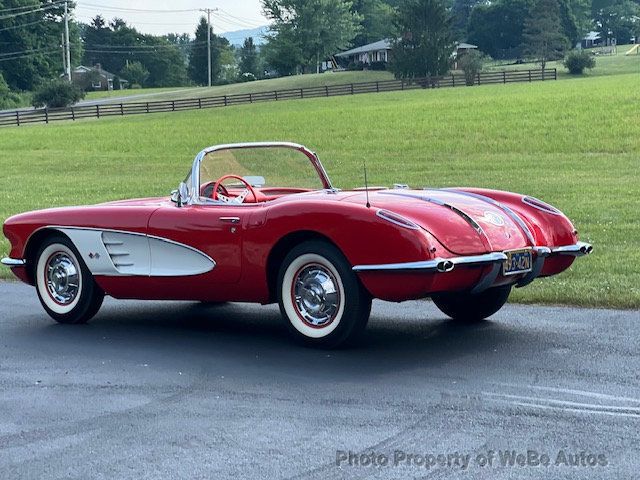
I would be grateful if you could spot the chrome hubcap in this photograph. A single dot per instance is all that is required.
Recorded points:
(62, 276)
(316, 295)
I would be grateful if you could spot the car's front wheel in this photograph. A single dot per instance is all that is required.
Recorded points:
(472, 307)
(321, 299)
(65, 287)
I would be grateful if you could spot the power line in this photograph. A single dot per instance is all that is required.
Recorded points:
(19, 14)
(27, 55)
(141, 10)
(27, 7)
(24, 25)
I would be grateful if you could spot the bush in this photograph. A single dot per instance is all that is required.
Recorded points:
(57, 94)
(8, 98)
(378, 66)
(247, 77)
(577, 61)
(471, 64)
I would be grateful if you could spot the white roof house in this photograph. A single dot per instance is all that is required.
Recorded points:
(373, 52)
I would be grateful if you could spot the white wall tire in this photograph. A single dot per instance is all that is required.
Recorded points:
(65, 286)
(320, 297)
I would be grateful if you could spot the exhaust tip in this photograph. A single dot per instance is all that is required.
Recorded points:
(586, 249)
(445, 266)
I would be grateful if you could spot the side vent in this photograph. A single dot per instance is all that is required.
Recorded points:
(129, 253)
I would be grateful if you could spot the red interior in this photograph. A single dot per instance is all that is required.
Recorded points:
(263, 194)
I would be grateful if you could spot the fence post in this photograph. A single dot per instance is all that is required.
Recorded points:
(326, 90)
(46, 114)
(504, 76)
(18, 118)
(453, 80)
(199, 103)
(173, 105)
(73, 114)
(529, 75)
(250, 98)
(555, 73)
(352, 89)
(97, 112)
(402, 84)
(377, 87)
(147, 107)
(276, 95)
(478, 78)
(121, 109)
(301, 93)
(225, 101)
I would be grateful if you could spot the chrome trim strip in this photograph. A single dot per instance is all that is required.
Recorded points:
(577, 250)
(488, 279)
(195, 168)
(440, 265)
(13, 262)
(513, 215)
(541, 254)
(436, 201)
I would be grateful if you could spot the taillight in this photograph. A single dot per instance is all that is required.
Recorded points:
(540, 205)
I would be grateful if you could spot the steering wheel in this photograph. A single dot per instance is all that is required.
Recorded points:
(220, 192)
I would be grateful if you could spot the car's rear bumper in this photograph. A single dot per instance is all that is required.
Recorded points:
(493, 259)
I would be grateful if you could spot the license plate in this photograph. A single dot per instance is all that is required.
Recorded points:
(518, 261)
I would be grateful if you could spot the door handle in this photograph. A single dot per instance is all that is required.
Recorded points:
(230, 219)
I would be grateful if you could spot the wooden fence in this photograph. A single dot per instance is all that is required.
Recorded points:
(45, 115)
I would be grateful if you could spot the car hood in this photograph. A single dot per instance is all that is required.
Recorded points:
(464, 225)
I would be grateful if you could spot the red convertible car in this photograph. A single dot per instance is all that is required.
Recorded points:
(261, 222)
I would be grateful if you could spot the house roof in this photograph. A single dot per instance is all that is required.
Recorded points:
(371, 47)
(83, 69)
(592, 36)
(467, 46)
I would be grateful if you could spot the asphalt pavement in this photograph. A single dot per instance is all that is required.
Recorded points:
(184, 390)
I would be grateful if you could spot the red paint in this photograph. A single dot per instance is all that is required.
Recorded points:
(242, 250)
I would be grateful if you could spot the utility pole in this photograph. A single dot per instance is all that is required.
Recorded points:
(209, 10)
(66, 40)
(64, 54)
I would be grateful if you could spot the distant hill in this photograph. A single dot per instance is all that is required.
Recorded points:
(237, 37)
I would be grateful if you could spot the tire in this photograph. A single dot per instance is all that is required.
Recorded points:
(321, 299)
(66, 288)
(469, 307)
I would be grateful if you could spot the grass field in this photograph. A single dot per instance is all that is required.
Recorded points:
(574, 143)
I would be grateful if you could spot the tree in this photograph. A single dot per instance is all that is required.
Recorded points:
(461, 12)
(496, 28)
(30, 40)
(619, 19)
(248, 58)
(8, 99)
(135, 73)
(543, 36)
(198, 64)
(377, 21)
(313, 29)
(426, 43)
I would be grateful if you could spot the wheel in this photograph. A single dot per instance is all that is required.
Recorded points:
(321, 299)
(469, 307)
(65, 286)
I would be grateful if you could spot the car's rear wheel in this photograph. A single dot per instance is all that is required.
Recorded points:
(472, 307)
(65, 287)
(321, 299)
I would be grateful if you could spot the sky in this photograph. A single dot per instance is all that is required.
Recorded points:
(232, 14)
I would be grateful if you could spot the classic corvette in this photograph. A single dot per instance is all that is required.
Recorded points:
(261, 222)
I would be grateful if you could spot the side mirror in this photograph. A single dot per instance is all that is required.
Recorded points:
(181, 195)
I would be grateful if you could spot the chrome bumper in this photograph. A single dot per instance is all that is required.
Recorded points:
(13, 262)
(443, 265)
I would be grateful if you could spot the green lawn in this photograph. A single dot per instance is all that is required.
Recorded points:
(574, 143)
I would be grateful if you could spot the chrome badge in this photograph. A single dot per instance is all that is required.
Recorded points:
(494, 219)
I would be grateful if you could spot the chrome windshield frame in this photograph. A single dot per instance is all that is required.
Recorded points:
(194, 194)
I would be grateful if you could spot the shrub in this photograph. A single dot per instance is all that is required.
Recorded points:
(247, 77)
(471, 64)
(8, 98)
(57, 94)
(577, 61)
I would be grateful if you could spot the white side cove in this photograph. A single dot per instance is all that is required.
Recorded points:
(116, 253)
